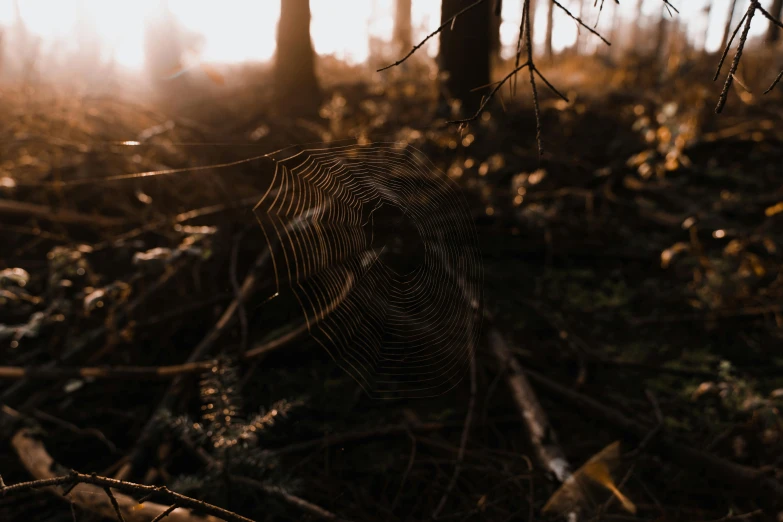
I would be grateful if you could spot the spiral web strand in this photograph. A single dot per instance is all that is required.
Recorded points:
(383, 219)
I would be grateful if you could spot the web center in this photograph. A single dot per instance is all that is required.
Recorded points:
(393, 235)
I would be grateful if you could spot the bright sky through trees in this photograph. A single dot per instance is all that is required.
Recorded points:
(237, 30)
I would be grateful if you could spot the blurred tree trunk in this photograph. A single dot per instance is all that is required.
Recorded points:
(494, 29)
(639, 7)
(464, 51)
(550, 20)
(580, 36)
(403, 33)
(661, 31)
(614, 21)
(707, 11)
(163, 52)
(727, 28)
(296, 88)
(639, 20)
(773, 32)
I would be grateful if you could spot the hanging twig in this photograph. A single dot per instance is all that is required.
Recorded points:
(578, 20)
(774, 83)
(526, 36)
(737, 56)
(745, 24)
(445, 24)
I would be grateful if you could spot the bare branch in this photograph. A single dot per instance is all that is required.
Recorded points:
(551, 87)
(536, 105)
(774, 84)
(83, 488)
(114, 503)
(487, 99)
(735, 63)
(579, 21)
(418, 46)
(728, 46)
(769, 17)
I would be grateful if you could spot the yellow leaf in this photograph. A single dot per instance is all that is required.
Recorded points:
(774, 209)
(597, 470)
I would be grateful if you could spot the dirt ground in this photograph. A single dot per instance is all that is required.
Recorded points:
(637, 265)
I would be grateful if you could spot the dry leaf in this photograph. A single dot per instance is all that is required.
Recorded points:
(598, 470)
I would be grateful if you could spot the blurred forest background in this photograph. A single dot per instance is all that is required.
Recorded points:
(629, 206)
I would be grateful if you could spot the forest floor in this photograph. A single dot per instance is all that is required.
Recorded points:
(638, 263)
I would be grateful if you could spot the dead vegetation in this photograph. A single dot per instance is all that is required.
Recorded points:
(633, 280)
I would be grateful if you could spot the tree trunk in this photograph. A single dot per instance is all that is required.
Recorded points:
(163, 51)
(661, 31)
(614, 22)
(495, 20)
(550, 19)
(296, 88)
(634, 46)
(774, 32)
(707, 18)
(727, 28)
(402, 37)
(580, 36)
(464, 51)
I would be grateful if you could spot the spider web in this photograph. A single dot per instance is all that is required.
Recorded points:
(383, 219)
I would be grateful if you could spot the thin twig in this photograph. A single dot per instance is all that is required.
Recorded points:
(699, 461)
(114, 503)
(50, 372)
(463, 441)
(8, 206)
(83, 488)
(172, 393)
(769, 17)
(737, 56)
(519, 46)
(536, 105)
(728, 46)
(487, 99)
(579, 21)
(289, 498)
(777, 81)
(241, 312)
(163, 514)
(418, 46)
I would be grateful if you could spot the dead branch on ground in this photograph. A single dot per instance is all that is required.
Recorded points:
(88, 490)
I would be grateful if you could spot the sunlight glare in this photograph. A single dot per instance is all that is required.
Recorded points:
(237, 31)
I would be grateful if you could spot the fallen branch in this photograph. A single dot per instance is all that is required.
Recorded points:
(547, 450)
(50, 372)
(700, 462)
(542, 436)
(59, 216)
(173, 391)
(86, 491)
(167, 402)
(23, 386)
(288, 498)
(354, 436)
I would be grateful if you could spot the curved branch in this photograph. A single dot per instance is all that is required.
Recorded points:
(85, 490)
(419, 45)
(163, 372)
